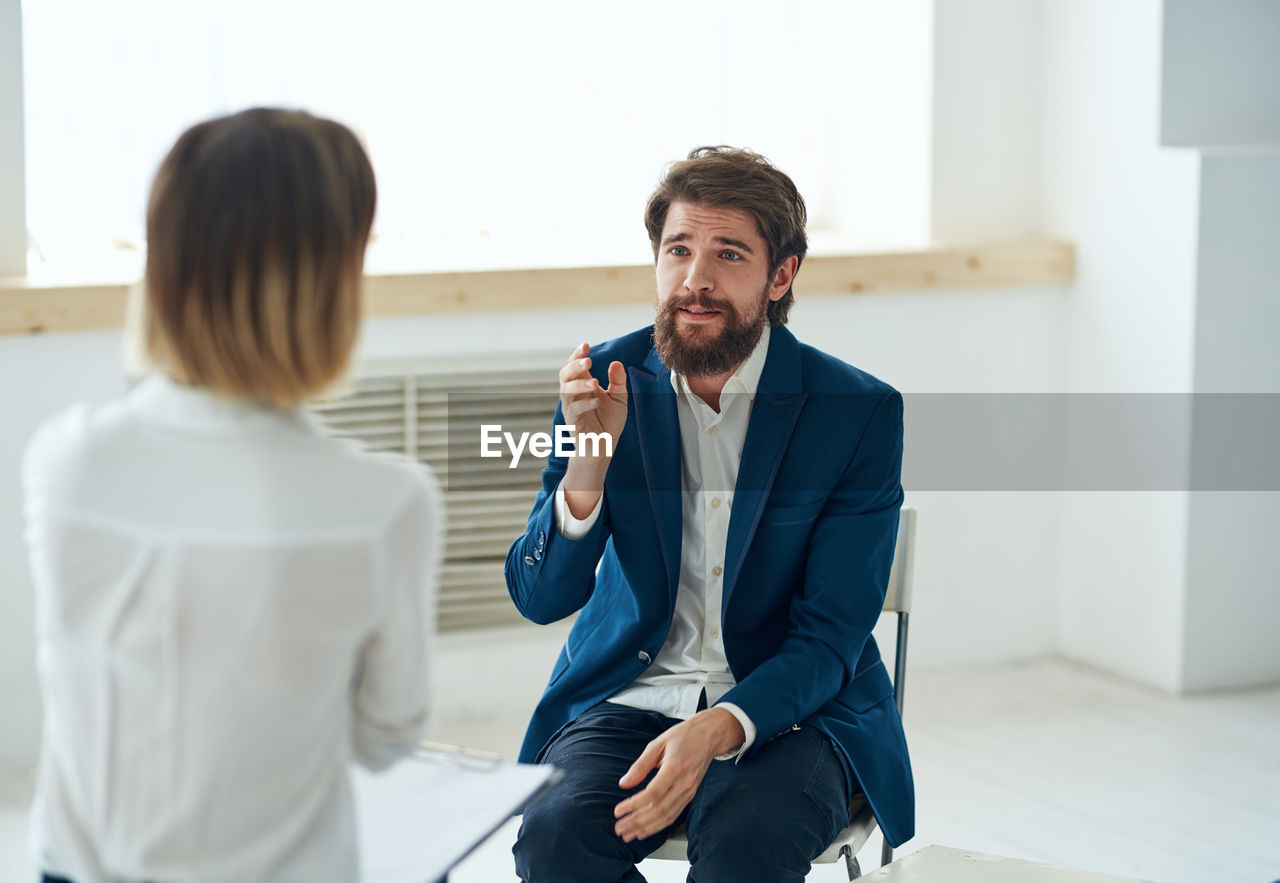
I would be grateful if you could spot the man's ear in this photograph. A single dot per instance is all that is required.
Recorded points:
(782, 277)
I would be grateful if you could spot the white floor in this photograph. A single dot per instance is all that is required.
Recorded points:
(1044, 761)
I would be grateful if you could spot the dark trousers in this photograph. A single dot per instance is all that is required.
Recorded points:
(763, 819)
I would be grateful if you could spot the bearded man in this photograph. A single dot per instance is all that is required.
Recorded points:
(727, 558)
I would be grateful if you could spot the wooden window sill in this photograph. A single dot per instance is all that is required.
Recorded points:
(31, 308)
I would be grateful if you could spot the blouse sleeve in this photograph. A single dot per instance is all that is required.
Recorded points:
(392, 688)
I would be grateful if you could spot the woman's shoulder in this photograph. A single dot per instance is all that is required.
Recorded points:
(392, 476)
(59, 439)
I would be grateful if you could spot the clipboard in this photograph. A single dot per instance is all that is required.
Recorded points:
(429, 811)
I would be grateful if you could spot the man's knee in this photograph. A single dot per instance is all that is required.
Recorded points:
(750, 846)
(564, 839)
(558, 823)
(768, 821)
(568, 833)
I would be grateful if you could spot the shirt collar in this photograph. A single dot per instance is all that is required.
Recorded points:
(746, 378)
(166, 401)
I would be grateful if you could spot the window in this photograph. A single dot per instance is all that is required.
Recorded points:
(503, 133)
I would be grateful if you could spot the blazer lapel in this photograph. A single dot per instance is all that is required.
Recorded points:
(779, 399)
(658, 429)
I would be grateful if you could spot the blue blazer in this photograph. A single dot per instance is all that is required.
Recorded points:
(811, 537)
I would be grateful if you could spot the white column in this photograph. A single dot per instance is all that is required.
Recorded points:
(1221, 60)
(1130, 206)
(1218, 78)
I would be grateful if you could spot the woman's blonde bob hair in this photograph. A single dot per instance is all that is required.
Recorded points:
(256, 231)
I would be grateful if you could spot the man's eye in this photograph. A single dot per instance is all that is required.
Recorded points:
(679, 251)
(730, 255)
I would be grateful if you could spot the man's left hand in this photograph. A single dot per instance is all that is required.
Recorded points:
(681, 756)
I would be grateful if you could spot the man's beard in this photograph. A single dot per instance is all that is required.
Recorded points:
(691, 351)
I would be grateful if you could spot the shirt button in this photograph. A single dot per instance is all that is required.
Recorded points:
(645, 657)
(716, 571)
(715, 633)
(715, 502)
(712, 431)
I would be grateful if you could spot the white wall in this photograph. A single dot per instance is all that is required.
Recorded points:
(988, 560)
(1130, 207)
(1047, 122)
(986, 120)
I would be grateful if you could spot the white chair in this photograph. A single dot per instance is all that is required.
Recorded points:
(897, 600)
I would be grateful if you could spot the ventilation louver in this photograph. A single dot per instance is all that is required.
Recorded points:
(433, 412)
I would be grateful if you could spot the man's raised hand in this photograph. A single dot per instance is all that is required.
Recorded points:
(587, 405)
(590, 408)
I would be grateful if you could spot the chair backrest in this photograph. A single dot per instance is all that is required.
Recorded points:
(897, 599)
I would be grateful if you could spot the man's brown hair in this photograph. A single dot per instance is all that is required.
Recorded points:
(256, 230)
(729, 177)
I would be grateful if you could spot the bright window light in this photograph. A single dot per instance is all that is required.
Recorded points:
(503, 134)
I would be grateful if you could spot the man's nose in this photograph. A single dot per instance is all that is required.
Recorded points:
(699, 276)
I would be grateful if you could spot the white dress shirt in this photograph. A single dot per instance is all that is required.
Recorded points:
(229, 607)
(692, 658)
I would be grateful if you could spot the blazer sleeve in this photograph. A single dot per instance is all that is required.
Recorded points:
(839, 600)
(549, 576)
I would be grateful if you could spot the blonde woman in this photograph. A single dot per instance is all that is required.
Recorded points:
(230, 605)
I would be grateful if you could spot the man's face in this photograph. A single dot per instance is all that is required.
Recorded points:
(714, 288)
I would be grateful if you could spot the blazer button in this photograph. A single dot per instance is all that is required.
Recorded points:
(645, 657)
(528, 559)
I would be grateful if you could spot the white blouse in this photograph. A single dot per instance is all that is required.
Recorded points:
(229, 606)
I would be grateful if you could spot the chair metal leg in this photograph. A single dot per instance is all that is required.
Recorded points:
(851, 864)
(886, 854)
(900, 660)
